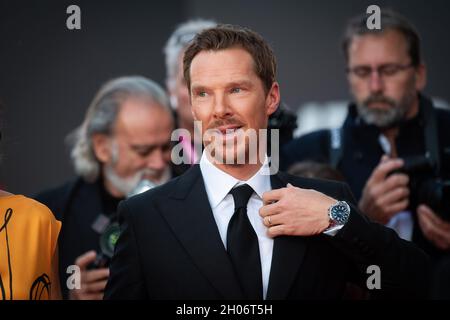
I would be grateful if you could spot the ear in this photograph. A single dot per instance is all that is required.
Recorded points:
(273, 99)
(102, 147)
(421, 77)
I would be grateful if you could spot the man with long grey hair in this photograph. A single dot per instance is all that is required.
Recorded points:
(123, 140)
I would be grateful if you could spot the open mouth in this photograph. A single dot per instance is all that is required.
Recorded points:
(378, 104)
(230, 131)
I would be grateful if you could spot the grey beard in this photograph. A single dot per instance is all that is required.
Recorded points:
(127, 185)
(124, 185)
(382, 118)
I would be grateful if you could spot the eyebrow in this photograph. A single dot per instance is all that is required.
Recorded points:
(240, 83)
(197, 87)
(236, 83)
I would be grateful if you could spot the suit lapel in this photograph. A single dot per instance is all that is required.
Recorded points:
(288, 253)
(190, 216)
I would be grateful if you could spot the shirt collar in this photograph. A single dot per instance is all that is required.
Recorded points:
(219, 183)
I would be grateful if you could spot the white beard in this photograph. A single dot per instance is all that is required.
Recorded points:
(126, 186)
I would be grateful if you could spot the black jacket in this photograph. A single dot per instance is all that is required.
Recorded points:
(170, 248)
(77, 204)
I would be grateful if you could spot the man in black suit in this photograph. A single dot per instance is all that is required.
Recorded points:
(232, 227)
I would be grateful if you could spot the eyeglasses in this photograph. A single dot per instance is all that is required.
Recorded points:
(385, 70)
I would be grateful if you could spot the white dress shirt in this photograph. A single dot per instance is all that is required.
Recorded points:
(218, 185)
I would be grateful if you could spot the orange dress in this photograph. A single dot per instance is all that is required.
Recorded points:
(28, 243)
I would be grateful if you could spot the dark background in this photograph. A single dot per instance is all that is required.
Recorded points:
(49, 74)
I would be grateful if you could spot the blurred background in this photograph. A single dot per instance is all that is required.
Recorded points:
(49, 74)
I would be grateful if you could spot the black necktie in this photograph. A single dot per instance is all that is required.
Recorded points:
(242, 245)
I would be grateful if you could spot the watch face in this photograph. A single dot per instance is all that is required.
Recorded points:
(340, 213)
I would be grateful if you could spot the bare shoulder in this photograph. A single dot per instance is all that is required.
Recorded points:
(25, 206)
(4, 193)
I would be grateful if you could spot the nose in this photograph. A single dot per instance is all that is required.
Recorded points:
(221, 107)
(376, 82)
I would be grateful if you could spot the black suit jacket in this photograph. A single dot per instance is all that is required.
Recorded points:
(170, 248)
(77, 204)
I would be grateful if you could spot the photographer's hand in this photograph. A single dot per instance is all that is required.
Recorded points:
(385, 195)
(434, 228)
(93, 282)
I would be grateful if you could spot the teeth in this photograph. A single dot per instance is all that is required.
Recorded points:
(230, 131)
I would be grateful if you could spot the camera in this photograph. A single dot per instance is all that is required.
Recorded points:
(109, 231)
(284, 120)
(425, 186)
(108, 240)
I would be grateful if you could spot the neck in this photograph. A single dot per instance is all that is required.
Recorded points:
(414, 110)
(391, 135)
(241, 172)
(109, 187)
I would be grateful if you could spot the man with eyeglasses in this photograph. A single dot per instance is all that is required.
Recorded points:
(389, 121)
